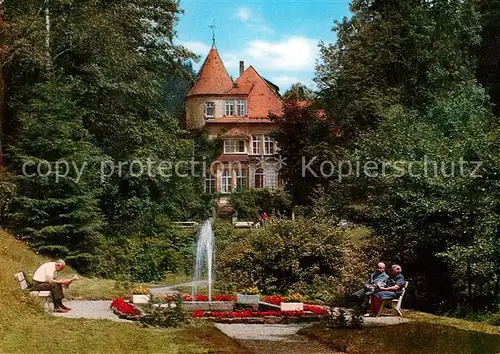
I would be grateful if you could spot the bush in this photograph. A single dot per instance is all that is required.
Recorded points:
(165, 313)
(252, 203)
(311, 258)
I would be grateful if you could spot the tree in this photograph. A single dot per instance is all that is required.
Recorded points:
(488, 54)
(299, 92)
(57, 207)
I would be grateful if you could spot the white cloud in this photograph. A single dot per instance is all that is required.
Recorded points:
(289, 54)
(284, 81)
(199, 48)
(253, 21)
(243, 14)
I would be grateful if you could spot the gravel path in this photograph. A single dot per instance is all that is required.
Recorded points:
(90, 309)
(273, 339)
(276, 339)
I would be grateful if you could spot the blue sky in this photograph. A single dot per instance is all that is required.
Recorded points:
(278, 37)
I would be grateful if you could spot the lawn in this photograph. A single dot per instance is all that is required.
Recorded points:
(424, 334)
(26, 328)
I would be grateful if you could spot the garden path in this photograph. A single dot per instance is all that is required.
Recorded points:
(273, 339)
(276, 338)
(99, 310)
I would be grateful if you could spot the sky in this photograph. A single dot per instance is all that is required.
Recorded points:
(279, 38)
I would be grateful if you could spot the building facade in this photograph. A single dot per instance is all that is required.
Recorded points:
(237, 113)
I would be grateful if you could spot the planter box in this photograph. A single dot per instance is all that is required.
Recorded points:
(208, 306)
(292, 306)
(140, 299)
(247, 299)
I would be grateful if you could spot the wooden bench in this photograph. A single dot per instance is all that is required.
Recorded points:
(246, 224)
(394, 303)
(186, 224)
(23, 283)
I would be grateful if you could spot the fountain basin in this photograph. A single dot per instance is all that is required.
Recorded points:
(208, 306)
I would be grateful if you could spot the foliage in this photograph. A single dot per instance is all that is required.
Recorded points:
(251, 204)
(145, 259)
(290, 256)
(488, 53)
(140, 290)
(299, 92)
(58, 210)
(253, 290)
(166, 313)
(7, 193)
(305, 137)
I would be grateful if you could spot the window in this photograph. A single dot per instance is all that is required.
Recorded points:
(241, 181)
(259, 178)
(268, 145)
(236, 108)
(229, 108)
(209, 183)
(226, 182)
(209, 110)
(233, 146)
(241, 108)
(256, 144)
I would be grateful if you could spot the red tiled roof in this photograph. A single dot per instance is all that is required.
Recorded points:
(262, 99)
(213, 77)
(235, 133)
(233, 158)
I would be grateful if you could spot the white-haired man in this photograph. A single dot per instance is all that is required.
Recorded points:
(45, 279)
(376, 280)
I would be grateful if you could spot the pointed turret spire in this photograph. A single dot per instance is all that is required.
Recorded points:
(213, 77)
(213, 33)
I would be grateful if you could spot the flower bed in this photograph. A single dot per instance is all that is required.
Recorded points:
(247, 316)
(125, 310)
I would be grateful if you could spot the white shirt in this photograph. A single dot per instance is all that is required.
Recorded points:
(45, 273)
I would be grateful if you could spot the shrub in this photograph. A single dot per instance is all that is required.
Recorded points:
(252, 203)
(165, 313)
(302, 256)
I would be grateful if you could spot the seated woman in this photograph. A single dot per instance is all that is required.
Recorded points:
(392, 289)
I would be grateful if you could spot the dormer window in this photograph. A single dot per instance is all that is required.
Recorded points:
(209, 110)
(236, 108)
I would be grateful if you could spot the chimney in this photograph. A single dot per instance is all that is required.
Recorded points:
(242, 67)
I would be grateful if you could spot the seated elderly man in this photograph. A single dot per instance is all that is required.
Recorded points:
(45, 279)
(377, 279)
(391, 290)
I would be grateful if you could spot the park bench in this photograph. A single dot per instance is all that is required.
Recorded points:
(186, 224)
(394, 303)
(245, 224)
(23, 283)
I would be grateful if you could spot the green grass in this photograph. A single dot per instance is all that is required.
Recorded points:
(26, 328)
(424, 334)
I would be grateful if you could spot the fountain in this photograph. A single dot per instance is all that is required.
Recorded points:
(204, 255)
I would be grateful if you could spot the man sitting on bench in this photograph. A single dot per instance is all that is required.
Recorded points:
(45, 278)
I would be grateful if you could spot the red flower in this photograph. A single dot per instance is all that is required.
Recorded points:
(274, 299)
(125, 308)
